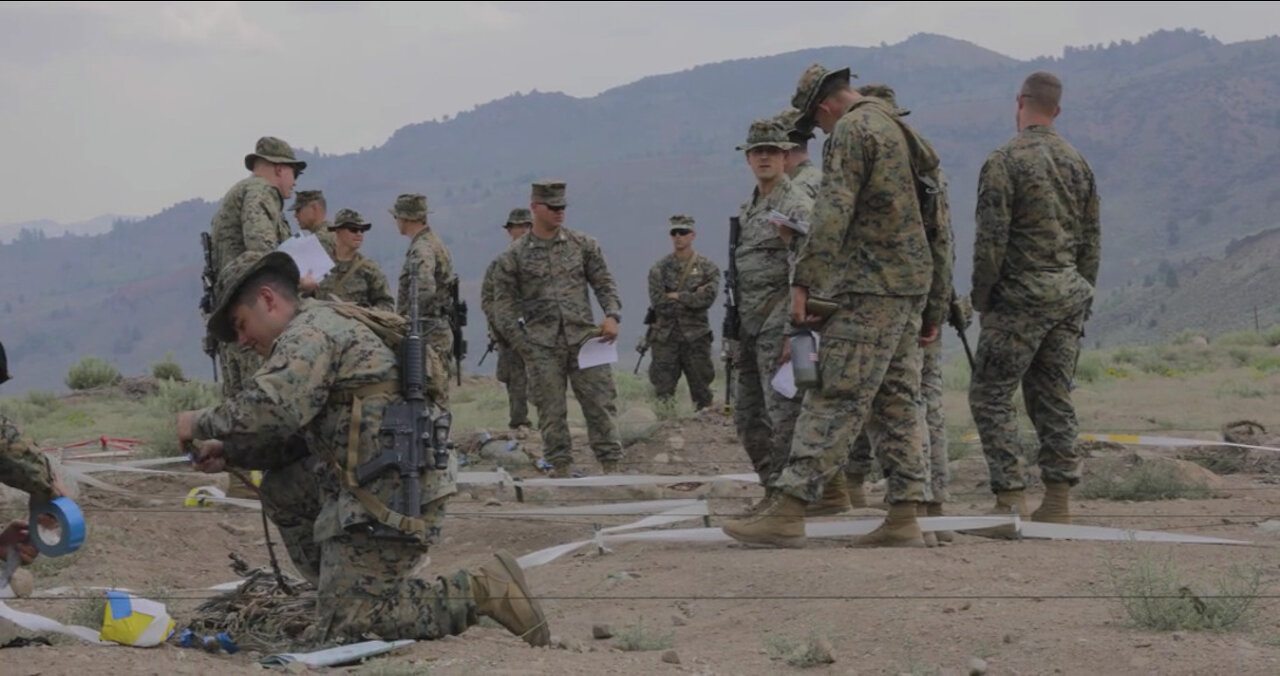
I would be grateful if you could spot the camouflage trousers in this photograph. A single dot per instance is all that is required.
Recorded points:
(551, 371)
(378, 586)
(291, 499)
(438, 343)
(1037, 350)
(238, 364)
(679, 355)
(765, 419)
(933, 430)
(869, 365)
(511, 372)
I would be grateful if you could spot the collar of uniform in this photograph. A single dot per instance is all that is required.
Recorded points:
(421, 233)
(534, 240)
(1040, 129)
(783, 187)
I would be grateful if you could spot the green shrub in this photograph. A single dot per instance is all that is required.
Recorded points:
(167, 369)
(92, 372)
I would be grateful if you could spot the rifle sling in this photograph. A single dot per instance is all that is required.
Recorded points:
(371, 503)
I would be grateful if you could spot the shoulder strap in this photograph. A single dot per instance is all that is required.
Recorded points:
(685, 273)
(359, 263)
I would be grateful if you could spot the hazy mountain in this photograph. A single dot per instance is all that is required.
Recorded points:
(47, 228)
(1182, 130)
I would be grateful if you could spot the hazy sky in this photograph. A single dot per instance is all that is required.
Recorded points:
(129, 107)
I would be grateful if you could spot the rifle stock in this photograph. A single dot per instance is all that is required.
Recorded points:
(956, 319)
(208, 279)
(458, 314)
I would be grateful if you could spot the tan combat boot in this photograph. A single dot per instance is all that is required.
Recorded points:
(834, 498)
(900, 529)
(930, 540)
(504, 596)
(1007, 502)
(780, 524)
(759, 505)
(1054, 508)
(853, 486)
(935, 509)
(560, 472)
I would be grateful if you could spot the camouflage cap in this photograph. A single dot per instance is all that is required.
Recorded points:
(787, 119)
(519, 217)
(550, 193)
(681, 222)
(349, 217)
(274, 150)
(766, 133)
(410, 207)
(305, 197)
(4, 365)
(883, 92)
(810, 85)
(233, 276)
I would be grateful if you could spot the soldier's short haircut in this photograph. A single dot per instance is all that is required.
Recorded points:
(276, 279)
(1043, 91)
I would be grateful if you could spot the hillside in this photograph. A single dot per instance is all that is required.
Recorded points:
(1183, 132)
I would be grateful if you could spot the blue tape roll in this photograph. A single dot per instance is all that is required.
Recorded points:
(70, 520)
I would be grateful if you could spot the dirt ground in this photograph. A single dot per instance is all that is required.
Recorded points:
(1021, 607)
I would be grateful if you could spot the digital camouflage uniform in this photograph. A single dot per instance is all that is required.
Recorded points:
(765, 419)
(541, 304)
(681, 336)
(885, 282)
(249, 218)
(321, 230)
(323, 365)
(1035, 256)
(932, 420)
(22, 465)
(510, 371)
(428, 254)
(358, 280)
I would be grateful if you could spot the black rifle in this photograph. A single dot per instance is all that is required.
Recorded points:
(732, 323)
(956, 320)
(208, 279)
(408, 433)
(457, 320)
(650, 317)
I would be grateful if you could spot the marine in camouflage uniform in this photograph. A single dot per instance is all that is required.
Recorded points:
(251, 218)
(1035, 265)
(510, 371)
(22, 465)
(428, 254)
(765, 418)
(310, 210)
(884, 281)
(356, 278)
(682, 287)
(541, 304)
(800, 168)
(326, 366)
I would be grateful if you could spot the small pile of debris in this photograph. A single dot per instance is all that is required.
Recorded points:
(1236, 460)
(259, 615)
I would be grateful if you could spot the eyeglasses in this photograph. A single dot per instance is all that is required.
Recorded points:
(355, 228)
(680, 232)
(555, 209)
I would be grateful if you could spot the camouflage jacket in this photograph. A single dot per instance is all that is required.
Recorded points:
(320, 356)
(867, 234)
(1038, 238)
(764, 259)
(544, 282)
(808, 177)
(250, 218)
(359, 281)
(686, 316)
(486, 303)
(22, 465)
(435, 276)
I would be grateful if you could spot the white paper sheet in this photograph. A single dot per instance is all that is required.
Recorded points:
(309, 254)
(784, 381)
(595, 352)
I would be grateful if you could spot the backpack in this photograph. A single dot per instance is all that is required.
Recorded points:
(389, 326)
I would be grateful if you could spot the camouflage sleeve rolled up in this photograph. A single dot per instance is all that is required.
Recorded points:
(866, 234)
(22, 465)
(599, 277)
(262, 217)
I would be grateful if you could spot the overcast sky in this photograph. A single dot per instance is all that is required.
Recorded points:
(129, 107)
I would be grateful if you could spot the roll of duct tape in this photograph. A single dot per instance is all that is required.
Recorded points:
(70, 523)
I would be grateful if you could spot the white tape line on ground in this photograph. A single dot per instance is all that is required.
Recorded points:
(39, 623)
(619, 508)
(87, 467)
(639, 480)
(1143, 440)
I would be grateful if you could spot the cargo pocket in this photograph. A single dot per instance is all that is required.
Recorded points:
(845, 354)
